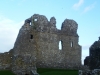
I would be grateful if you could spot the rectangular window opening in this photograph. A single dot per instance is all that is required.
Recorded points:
(30, 23)
(31, 36)
(35, 19)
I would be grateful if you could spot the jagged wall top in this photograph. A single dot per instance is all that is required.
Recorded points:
(38, 18)
(41, 19)
(68, 26)
(95, 45)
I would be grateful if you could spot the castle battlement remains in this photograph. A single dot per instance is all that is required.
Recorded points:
(37, 46)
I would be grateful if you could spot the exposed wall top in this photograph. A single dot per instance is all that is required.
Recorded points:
(41, 19)
(95, 45)
(69, 26)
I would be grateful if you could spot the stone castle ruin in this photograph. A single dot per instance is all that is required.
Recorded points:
(94, 56)
(93, 60)
(37, 46)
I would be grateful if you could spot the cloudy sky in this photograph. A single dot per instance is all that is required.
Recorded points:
(85, 12)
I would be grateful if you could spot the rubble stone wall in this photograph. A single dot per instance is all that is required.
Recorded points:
(5, 60)
(37, 45)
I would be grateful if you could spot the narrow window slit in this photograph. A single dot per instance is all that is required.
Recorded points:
(71, 44)
(60, 45)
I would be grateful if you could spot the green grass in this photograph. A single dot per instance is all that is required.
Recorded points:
(6, 72)
(44, 71)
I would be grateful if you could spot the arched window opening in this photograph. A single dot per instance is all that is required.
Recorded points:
(35, 19)
(31, 36)
(60, 45)
(71, 44)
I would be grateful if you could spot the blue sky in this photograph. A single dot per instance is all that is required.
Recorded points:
(85, 12)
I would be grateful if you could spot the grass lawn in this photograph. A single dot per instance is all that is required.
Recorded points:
(43, 71)
(6, 72)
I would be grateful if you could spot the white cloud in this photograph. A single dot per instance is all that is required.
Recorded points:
(88, 8)
(8, 33)
(77, 5)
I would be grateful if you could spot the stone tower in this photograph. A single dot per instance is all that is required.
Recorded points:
(94, 56)
(37, 46)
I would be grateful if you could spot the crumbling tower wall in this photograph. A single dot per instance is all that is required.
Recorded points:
(5, 60)
(24, 51)
(40, 38)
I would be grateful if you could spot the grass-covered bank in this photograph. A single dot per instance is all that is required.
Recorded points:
(44, 71)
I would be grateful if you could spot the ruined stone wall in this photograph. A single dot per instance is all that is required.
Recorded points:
(47, 40)
(93, 60)
(37, 45)
(87, 61)
(5, 60)
(50, 56)
(24, 52)
(41, 38)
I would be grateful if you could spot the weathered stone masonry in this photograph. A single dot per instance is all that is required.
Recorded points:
(93, 60)
(37, 46)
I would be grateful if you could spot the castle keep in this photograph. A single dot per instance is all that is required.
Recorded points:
(37, 46)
